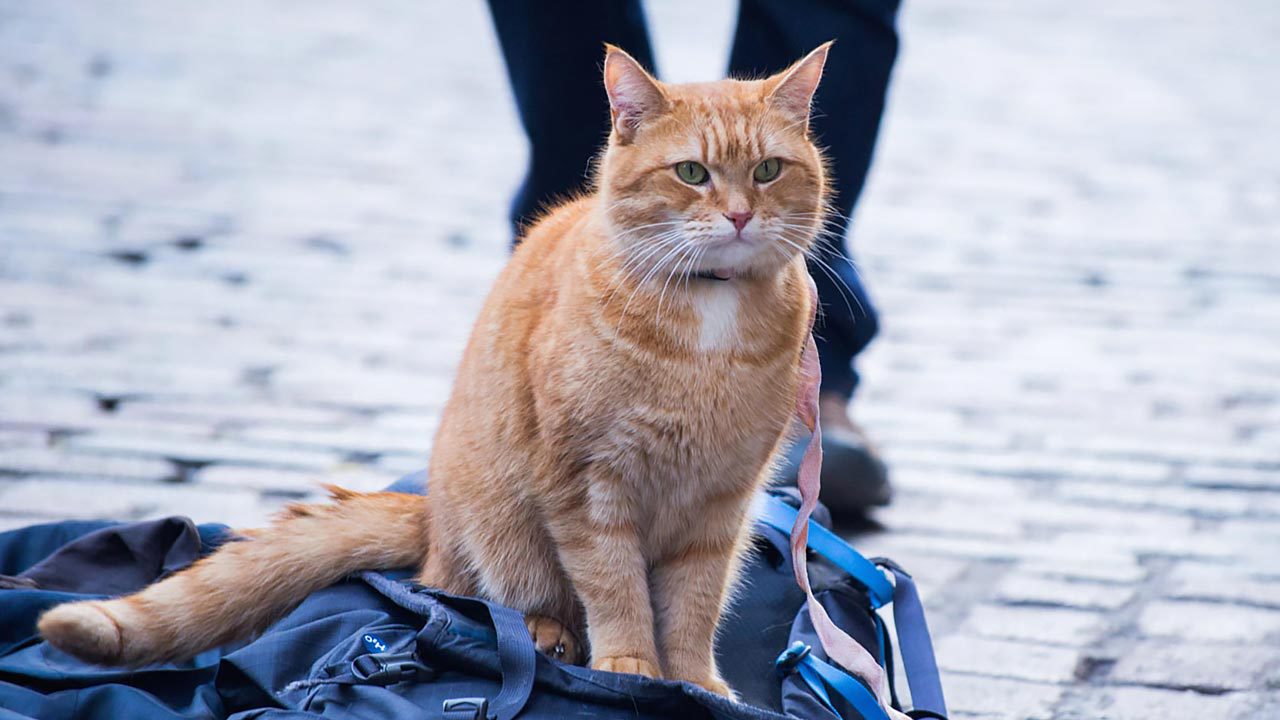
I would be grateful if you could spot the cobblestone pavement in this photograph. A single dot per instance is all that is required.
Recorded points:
(241, 244)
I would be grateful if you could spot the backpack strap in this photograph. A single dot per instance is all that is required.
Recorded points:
(779, 515)
(518, 658)
(914, 641)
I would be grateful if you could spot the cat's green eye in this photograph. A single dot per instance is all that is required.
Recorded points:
(692, 172)
(767, 170)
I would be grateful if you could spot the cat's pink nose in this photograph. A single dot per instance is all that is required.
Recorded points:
(740, 219)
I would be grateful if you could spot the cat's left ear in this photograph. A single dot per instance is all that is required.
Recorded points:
(791, 90)
(634, 95)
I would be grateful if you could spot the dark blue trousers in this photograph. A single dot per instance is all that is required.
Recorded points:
(553, 50)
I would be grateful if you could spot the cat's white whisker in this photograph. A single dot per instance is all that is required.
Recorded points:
(640, 286)
(830, 272)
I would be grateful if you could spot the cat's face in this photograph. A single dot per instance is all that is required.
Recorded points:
(716, 177)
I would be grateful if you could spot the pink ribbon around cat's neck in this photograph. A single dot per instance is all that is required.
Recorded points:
(839, 646)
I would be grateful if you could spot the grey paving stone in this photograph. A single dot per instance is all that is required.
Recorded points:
(954, 482)
(1201, 667)
(985, 697)
(1062, 514)
(59, 460)
(1194, 581)
(1262, 533)
(1217, 622)
(949, 517)
(293, 482)
(1132, 703)
(203, 451)
(1007, 659)
(22, 437)
(1035, 624)
(345, 387)
(1200, 502)
(1112, 569)
(1027, 589)
(347, 439)
(1200, 546)
(1240, 478)
(125, 501)
(239, 411)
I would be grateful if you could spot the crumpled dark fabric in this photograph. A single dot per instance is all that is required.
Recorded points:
(112, 560)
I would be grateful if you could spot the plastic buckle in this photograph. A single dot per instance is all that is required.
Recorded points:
(791, 658)
(465, 709)
(390, 668)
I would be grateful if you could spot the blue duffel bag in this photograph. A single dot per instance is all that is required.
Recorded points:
(379, 646)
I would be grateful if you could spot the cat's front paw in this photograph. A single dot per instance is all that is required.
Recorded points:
(630, 665)
(553, 639)
(85, 630)
(717, 686)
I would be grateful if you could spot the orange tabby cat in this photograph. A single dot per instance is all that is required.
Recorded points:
(625, 387)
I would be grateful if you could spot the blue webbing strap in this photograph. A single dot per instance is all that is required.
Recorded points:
(518, 658)
(781, 516)
(811, 678)
(918, 662)
(843, 683)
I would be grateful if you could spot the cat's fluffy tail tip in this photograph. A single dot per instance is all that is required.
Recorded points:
(85, 630)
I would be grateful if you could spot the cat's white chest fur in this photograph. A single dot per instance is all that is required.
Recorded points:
(717, 307)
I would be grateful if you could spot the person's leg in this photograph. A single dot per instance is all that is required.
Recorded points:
(553, 50)
(770, 35)
(850, 100)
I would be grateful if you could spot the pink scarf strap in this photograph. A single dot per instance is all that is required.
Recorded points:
(838, 645)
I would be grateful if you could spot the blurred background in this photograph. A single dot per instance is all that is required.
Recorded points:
(242, 243)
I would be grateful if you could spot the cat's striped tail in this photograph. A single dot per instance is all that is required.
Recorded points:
(245, 586)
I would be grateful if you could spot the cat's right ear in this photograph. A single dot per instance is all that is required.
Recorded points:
(634, 95)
